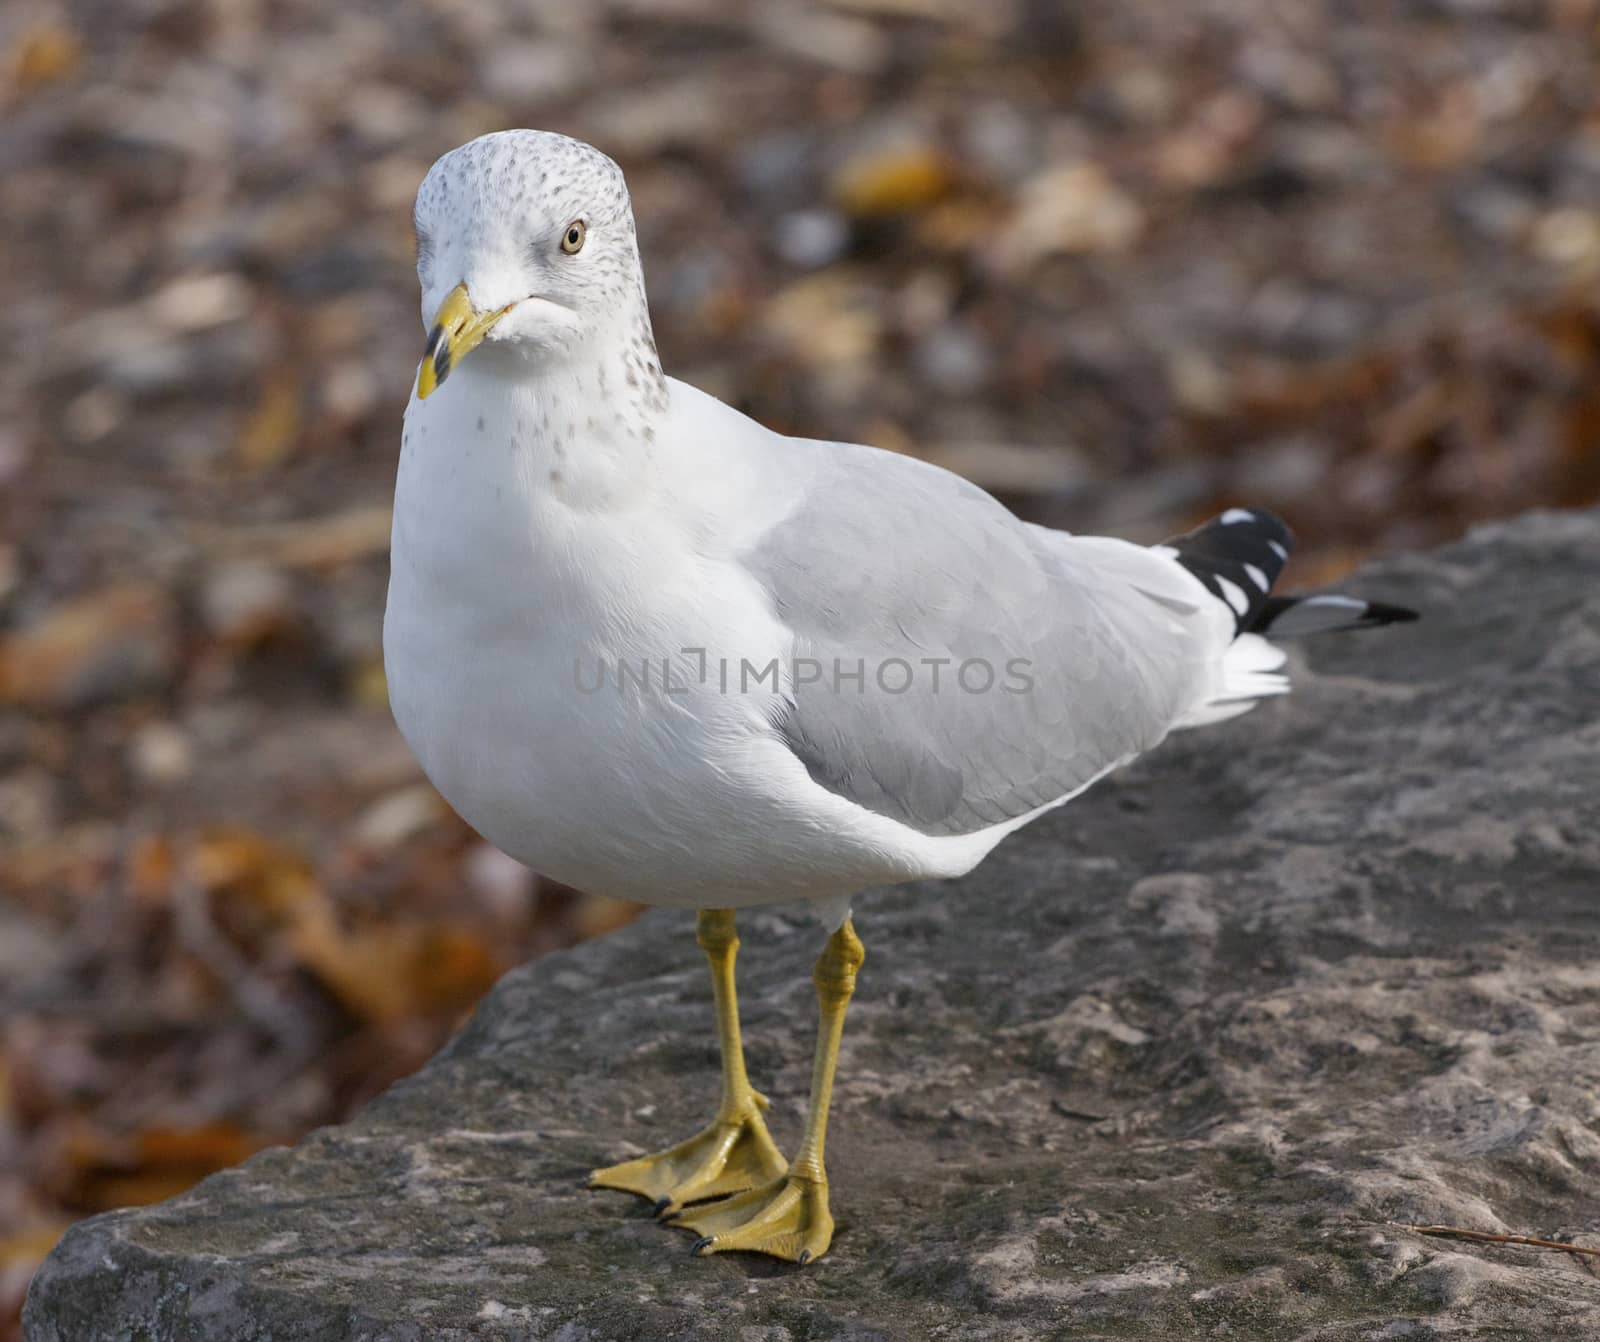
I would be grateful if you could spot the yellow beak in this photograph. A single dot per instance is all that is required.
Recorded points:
(457, 331)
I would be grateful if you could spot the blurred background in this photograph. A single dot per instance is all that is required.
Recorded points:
(1122, 263)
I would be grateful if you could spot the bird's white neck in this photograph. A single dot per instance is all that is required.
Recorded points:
(582, 422)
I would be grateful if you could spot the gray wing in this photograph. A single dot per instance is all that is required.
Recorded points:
(954, 667)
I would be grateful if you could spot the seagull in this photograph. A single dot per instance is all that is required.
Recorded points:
(655, 650)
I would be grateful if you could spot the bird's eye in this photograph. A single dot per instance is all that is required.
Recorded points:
(572, 239)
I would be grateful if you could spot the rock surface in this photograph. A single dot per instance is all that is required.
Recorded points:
(1172, 1064)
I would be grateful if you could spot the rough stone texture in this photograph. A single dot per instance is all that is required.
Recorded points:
(1170, 1065)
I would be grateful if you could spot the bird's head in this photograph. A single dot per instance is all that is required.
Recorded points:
(525, 245)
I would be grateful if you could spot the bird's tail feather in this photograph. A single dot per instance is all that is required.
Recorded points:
(1238, 557)
(1251, 670)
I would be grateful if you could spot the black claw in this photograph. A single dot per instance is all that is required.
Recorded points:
(662, 1204)
(704, 1242)
(805, 1257)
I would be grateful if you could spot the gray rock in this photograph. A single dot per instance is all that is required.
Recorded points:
(1173, 1064)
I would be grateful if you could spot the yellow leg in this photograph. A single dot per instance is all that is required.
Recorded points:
(736, 1151)
(788, 1216)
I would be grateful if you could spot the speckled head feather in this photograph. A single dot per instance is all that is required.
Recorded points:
(492, 215)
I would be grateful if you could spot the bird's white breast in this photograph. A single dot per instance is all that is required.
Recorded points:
(518, 585)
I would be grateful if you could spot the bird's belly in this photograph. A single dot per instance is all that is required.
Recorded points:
(587, 783)
(596, 750)
(496, 735)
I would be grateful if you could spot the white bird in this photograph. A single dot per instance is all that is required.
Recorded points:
(657, 651)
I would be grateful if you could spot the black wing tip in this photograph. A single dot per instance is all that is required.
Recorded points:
(1326, 613)
(1380, 612)
(1260, 524)
(1238, 555)
(1262, 520)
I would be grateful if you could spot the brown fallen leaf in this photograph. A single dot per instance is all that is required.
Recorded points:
(96, 1169)
(272, 430)
(1068, 210)
(387, 972)
(107, 1191)
(44, 54)
(273, 879)
(368, 685)
(595, 915)
(892, 181)
(331, 542)
(30, 1245)
(112, 644)
(151, 869)
(208, 1146)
